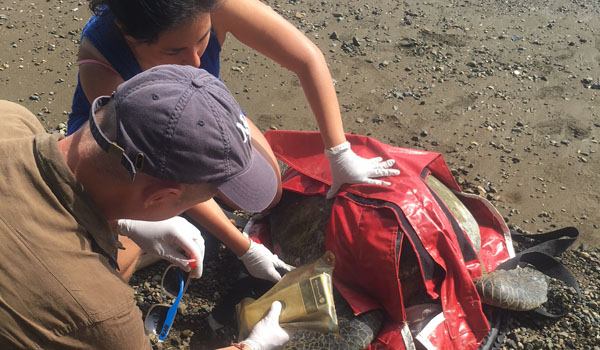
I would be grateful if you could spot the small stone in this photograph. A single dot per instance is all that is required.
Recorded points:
(587, 81)
(181, 307)
(481, 191)
(377, 120)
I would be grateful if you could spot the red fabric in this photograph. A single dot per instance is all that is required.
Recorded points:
(365, 244)
(494, 249)
(363, 238)
(260, 232)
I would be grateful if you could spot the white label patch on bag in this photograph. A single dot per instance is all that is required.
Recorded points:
(434, 330)
(409, 343)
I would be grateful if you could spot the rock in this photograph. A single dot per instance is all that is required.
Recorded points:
(587, 81)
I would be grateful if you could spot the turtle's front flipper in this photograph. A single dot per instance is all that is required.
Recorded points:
(356, 332)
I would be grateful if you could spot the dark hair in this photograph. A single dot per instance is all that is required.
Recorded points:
(144, 20)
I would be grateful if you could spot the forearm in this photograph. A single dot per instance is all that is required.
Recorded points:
(320, 93)
(210, 216)
(258, 26)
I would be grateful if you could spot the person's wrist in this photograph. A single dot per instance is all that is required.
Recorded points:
(247, 248)
(250, 344)
(123, 227)
(337, 149)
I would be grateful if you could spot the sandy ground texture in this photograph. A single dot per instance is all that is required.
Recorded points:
(506, 90)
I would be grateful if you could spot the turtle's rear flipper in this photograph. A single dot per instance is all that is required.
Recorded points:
(520, 289)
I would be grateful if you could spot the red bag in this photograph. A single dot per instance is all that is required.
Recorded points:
(369, 223)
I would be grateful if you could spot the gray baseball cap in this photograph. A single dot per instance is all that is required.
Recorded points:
(181, 124)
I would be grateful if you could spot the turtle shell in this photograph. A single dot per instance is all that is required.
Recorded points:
(464, 217)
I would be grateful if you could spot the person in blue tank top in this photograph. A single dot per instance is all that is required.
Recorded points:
(125, 37)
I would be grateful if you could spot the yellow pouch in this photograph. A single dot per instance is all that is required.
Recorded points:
(306, 294)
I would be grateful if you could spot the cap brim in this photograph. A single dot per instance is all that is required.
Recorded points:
(254, 189)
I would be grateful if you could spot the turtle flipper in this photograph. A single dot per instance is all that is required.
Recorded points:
(520, 289)
(356, 332)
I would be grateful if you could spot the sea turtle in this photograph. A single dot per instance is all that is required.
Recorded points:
(298, 225)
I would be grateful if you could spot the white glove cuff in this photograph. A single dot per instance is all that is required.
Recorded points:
(251, 344)
(123, 227)
(249, 251)
(337, 149)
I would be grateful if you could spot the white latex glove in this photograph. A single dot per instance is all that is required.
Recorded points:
(167, 239)
(261, 263)
(348, 167)
(267, 334)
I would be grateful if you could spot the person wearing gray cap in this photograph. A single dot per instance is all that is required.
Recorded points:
(164, 141)
(126, 37)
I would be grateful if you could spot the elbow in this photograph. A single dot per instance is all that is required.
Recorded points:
(309, 60)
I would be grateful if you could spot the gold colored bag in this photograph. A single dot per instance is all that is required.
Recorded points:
(306, 294)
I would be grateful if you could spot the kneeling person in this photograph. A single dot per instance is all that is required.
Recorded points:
(166, 140)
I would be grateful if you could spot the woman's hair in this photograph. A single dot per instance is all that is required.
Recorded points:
(144, 20)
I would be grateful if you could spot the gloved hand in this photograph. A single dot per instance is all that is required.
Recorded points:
(267, 334)
(348, 167)
(167, 239)
(261, 263)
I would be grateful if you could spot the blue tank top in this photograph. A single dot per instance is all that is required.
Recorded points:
(102, 32)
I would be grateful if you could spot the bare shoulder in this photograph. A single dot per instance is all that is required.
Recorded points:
(248, 20)
(88, 51)
(97, 79)
(231, 13)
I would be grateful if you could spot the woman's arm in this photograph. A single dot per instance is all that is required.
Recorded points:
(258, 26)
(259, 261)
(210, 216)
